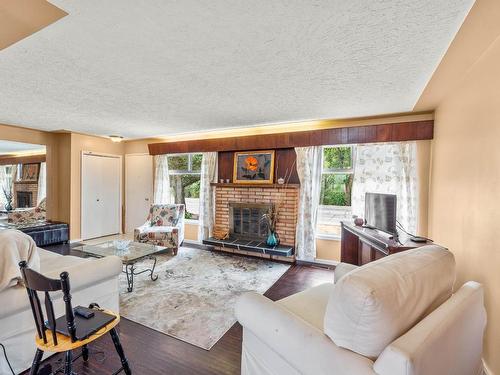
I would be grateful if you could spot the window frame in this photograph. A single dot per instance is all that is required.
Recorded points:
(337, 171)
(190, 170)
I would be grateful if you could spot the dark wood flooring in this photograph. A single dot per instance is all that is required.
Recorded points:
(151, 352)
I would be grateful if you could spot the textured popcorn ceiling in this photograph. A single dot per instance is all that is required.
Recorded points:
(144, 68)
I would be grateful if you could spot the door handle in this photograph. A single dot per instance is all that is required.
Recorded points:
(98, 199)
(147, 199)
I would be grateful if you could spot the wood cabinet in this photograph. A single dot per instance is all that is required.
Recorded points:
(360, 245)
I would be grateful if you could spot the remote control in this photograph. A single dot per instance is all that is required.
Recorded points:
(83, 312)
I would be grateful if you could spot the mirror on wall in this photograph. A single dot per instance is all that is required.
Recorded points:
(23, 183)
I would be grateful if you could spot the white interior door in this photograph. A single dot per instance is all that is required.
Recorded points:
(138, 189)
(101, 198)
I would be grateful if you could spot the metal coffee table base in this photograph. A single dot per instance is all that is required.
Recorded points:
(130, 271)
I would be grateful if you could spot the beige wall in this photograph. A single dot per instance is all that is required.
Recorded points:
(21, 18)
(465, 178)
(191, 232)
(328, 250)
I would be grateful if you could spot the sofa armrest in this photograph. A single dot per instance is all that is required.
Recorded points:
(96, 270)
(342, 269)
(303, 346)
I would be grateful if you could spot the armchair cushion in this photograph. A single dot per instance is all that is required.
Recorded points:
(310, 304)
(165, 215)
(160, 236)
(378, 302)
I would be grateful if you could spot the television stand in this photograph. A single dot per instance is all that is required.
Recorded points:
(361, 245)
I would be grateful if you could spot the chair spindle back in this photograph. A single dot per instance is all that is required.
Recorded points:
(36, 282)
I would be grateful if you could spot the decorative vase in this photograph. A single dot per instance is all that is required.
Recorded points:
(8, 205)
(359, 221)
(272, 239)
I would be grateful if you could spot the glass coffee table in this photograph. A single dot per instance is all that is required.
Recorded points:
(130, 255)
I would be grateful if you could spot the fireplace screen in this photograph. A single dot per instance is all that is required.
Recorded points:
(24, 199)
(245, 220)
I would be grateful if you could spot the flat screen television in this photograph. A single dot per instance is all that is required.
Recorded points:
(380, 212)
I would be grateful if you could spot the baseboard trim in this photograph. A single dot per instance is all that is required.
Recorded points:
(75, 241)
(195, 245)
(316, 264)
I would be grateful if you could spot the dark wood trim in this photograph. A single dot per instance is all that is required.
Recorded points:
(273, 186)
(31, 159)
(401, 131)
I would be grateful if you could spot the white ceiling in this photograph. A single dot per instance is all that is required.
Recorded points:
(8, 147)
(162, 67)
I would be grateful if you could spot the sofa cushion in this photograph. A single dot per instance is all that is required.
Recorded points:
(310, 305)
(375, 304)
(15, 246)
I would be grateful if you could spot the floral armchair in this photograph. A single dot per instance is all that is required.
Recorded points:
(164, 226)
(29, 215)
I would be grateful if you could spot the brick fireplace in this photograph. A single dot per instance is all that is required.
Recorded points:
(238, 208)
(25, 194)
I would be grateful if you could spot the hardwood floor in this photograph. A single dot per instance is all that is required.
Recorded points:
(151, 352)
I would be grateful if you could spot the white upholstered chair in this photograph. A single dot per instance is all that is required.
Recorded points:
(395, 316)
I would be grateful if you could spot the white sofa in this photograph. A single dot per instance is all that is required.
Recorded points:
(92, 280)
(395, 316)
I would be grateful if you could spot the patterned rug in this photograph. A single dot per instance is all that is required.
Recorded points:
(194, 297)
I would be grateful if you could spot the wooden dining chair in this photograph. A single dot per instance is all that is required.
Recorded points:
(79, 332)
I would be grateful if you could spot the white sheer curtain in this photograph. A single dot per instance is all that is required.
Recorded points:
(14, 174)
(3, 184)
(162, 180)
(309, 171)
(208, 175)
(42, 183)
(389, 168)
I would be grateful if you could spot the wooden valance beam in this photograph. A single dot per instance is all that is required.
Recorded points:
(11, 160)
(396, 132)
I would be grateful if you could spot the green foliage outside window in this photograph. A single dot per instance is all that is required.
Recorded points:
(196, 162)
(336, 186)
(337, 158)
(185, 177)
(178, 163)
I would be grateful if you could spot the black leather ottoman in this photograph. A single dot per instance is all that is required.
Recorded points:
(48, 234)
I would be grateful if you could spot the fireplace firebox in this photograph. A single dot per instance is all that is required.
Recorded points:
(245, 220)
(24, 199)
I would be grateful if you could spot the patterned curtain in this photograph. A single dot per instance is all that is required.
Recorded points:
(309, 171)
(162, 180)
(389, 168)
(42, 183)
(208, 175)
(3, 184)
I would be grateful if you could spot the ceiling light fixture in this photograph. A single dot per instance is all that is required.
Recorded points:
(116, 138)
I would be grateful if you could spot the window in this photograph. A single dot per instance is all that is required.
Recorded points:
(184, 172)
(336, 186)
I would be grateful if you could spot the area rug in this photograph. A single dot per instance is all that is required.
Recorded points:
(195, 294)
